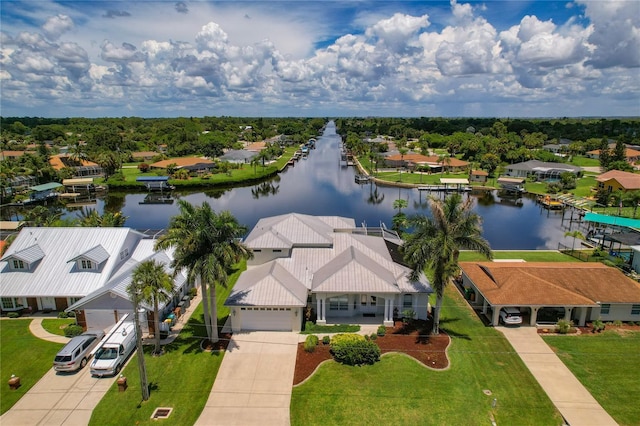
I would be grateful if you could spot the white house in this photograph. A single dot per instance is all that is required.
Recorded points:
(548, 291)
(324, 264)
(57, 269)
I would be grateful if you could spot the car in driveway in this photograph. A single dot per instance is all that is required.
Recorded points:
(76, 353)
(510, 316)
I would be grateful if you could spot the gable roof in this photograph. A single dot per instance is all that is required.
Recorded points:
(96, 254)
(626, 179)
(537, 165)
(268, 285)
(54, 275)
(551, 283)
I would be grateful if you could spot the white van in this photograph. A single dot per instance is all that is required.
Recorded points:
(112, 354)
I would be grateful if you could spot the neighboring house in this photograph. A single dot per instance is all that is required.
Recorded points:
(324, 263)
(144, 155)
(238, 156)
(540, 169)
(193, 164)
(19, 184)
(614, 180)
(435, 163)
(631, 155)
(478, 176)
(5, 155)
(53, 269)
(82, 168)
(548, 291)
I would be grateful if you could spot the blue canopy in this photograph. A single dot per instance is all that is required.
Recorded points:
(152, 179)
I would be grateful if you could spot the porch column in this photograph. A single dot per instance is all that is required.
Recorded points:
(567, 313)
(484, 306)
(320, 300)
(495, 319)
(534, 316)
(388, 312)
(583, 316)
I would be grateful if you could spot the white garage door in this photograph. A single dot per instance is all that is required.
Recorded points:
(99, 319)
(268, 319)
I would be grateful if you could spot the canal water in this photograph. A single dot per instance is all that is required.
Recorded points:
(323, 185)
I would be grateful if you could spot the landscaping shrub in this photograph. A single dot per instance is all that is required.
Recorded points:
(193, 292)
(374, 336)
(72, 330)
(326, 340)
(63, 314)
(354, 349)
(564, 326)
(13, 315)
(617, 323)
(71, 314)
(382, 330)
(598, 326)
(310, 343)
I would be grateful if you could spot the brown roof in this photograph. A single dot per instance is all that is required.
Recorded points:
(432, 159)
(181, 162)
(143, 154)
(628, 152)
(551, 283)
(61, 161)
(479, 173)
(626, 179)
(9, 154)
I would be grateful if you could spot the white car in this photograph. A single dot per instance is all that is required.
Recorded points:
(510, 316)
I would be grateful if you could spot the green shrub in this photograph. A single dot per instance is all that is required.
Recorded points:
(72, 330)
(13, 314)
(354, 349)
(564, 326)
(193, 292)
(326, 340)
(382, 330)
(71, 314)
(598, 325)
(374, 336)
(617, 323)
(310, 343)
(63, 314)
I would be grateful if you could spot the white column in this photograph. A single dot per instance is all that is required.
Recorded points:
(567, 313)
(484, 306)
(495, 320)
(534, 316)
(388, 311)
(583, 316)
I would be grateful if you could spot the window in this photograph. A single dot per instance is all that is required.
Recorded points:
(363, 300)
(277, 251)
(604, 309)
(338, 303)
(86, 264)
(73, 300)
(407, 301)
(10, 303)
(374, 300)
(18, 264)
(635, 309)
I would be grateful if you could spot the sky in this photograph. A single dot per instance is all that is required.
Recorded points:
(320, 58)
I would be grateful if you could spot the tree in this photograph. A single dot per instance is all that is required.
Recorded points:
(436, 242)
(575, 234)
(402, 152)
(154, 286)
(89, 217)
(135, 292)
(207, 245)
(632, 198)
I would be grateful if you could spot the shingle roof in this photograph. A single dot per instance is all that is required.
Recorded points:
(551, 284)
(182, 162)
(626, 179)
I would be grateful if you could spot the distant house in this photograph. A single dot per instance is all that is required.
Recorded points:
(541, 170)
(57, 269)
(193, 164)
(632, 156)
(238, 156)
(324, 264)
(82, 168)
(615, 180)
(433, 162)
(5, 155)
(548, 291)
(144, 155)
(478, 176)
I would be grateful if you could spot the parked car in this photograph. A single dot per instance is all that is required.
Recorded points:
(113, 353)
(510, 316)
(76, 353)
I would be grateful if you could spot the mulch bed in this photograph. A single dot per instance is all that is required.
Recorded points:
(414, 340)
(220, 345)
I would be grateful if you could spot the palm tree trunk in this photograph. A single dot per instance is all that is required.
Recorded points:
(142, 368)
(205, 306)
(436, 315)
(156, 320)
(214, 314)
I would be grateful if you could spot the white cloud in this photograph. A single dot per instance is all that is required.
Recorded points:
(56, 26)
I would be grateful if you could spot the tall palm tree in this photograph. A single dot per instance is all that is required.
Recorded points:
(436, 242)
(575, 234)
(155, 286)
(135, 292)
(206, 245)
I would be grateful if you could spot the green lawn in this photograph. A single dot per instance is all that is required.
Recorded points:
(529, 256)
(24, 355)
(181, 378)
(398, 390)
(607, 365)
(57, 325)
(581, 161)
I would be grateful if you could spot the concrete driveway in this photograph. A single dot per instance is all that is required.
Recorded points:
(253, 385)
(570, 397)
(59, 399)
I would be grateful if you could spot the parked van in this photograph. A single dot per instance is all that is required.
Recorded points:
(76, 353)
(112, 354)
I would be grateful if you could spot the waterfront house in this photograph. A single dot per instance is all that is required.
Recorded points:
(547, 291)
(541, 170)
(615, 180)
(478, 176)
(324, 265)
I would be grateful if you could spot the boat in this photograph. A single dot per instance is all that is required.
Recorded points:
(551, 203)
(362, 178)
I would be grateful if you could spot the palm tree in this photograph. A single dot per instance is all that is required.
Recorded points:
(402, 152)
(436, 242)
(135, 292)
(207, 245)
(155, 286)
(575, 234)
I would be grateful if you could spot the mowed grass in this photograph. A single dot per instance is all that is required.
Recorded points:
(182, 378)
(57, 325)
(22, 354)
(607, 365)
(398, 390)
(529, 256)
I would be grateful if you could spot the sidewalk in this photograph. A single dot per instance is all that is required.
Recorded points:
(570, 397)
(35, 327)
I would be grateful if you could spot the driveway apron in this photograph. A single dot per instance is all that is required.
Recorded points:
(570, 397)
(254, 382)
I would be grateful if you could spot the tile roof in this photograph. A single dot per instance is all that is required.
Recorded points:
(182, 162)
(625, 179)
(551, 283)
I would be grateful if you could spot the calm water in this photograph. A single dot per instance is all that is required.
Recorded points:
(320, 185)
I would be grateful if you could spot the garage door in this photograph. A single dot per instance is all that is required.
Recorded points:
(100, 319)
(271, 319)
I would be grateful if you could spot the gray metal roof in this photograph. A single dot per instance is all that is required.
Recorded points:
(96, 254)
(268, 285)
(54, 275)
(30, 254)
(533, 165)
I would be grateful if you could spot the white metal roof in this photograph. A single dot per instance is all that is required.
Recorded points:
(53, 275)
(268, 285)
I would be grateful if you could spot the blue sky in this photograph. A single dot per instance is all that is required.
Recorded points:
(320, 58)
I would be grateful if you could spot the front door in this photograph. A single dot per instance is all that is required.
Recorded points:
(368, 303)
(47, 303)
